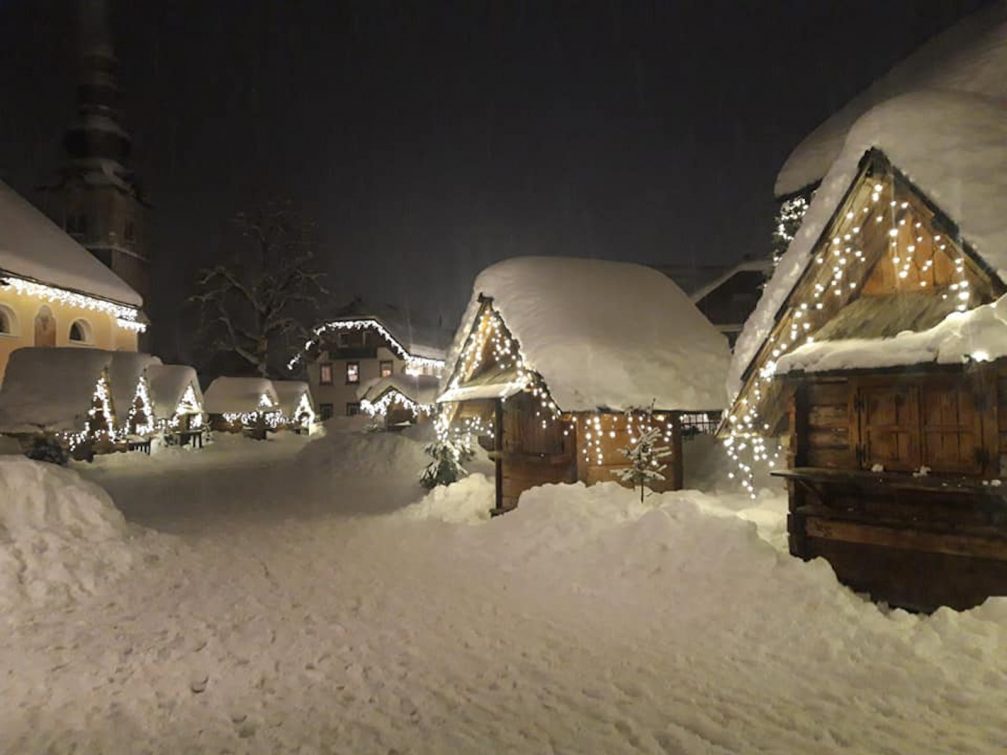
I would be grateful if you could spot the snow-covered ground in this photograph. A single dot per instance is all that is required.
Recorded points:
(299, 597)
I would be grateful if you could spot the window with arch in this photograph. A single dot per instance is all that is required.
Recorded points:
(80, 331)
(8, 321)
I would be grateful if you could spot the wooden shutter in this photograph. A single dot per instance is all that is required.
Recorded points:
(889, 427)
(951, 428)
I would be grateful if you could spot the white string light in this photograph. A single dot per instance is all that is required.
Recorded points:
(415, 365)
(125, 317)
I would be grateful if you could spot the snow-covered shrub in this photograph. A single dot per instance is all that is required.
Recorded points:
(48, 449)
(645, 454)
(448, 457)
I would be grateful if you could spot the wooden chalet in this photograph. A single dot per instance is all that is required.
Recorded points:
(557, 359)
(128, 379)
(877, 355)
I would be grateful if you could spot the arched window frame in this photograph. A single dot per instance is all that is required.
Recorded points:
(10, 326)
(85, 330)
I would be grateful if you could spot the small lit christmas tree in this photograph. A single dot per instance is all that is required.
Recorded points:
(448, 457)
(645, 454)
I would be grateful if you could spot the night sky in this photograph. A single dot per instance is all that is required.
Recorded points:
(429, 139)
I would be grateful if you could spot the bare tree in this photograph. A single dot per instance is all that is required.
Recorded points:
(255, 305)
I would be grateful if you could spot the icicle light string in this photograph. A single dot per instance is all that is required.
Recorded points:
(125, 317)
(415, 365)
(746, 443)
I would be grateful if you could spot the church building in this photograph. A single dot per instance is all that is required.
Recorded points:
(96, 198)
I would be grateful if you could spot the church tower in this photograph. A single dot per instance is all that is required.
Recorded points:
(97, 198)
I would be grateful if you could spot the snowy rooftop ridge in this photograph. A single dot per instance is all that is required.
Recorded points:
(603, 334)
(421, 389)
(35, 248)
(958, 160)
(289, 394)
(970, 57)
(227, 395)
(979, 335)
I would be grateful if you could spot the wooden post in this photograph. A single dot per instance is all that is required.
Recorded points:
(498, 447)
(677, 462)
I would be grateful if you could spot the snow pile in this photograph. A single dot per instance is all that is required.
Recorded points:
(238, 395)
(33, 247)
(604, 334)
(953, 147)
(352, 453)
(979, 335)
(467, 501)
(971, 57)
(60, 537)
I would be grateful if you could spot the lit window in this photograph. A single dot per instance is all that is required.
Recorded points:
(352, 372)
(386, 368)
(352, 408)
(325, 374)
(80, 331)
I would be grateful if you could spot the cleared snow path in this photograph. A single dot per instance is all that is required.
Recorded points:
(287, 612)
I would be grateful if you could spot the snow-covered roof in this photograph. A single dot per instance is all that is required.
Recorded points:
(168, 383)
(33, 247)
(50, 389)
(604, 334)
(979, 335)
(971, 57)
(407, 339)
(289, 393)
(238, 394)
(952, 146)
(124, 372)
(421, 389)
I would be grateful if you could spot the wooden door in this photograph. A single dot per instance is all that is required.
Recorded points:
(951, 428)
(45, 328)
(889, 427)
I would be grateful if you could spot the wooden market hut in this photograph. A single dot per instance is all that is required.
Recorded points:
(297, 407)
(400, 400)
(128, 378)
(556, 358)
(178, 403)
(243, 404)
(878, 354)
(62, 394)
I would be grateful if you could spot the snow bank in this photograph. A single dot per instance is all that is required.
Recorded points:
(604, 334)
(979, 334)
(33, 247)
(348, 452)
(952, 146)
(60, 537)
(971, 56)
(467, 501)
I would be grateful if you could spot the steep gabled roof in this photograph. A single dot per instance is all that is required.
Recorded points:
(951, 146)
(33, 247)
(289, 394)
(238, 395)
(603, 334)
(168, 383)
(970, 57)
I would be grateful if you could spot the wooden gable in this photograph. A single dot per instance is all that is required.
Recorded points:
(889, 260)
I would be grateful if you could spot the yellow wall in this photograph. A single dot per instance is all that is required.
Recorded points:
(104, 332)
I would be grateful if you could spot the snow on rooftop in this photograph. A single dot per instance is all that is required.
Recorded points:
(238, 394)
(168, 383)
(970, 57)
(978, 335)
(50, 389)
(604, 334)
(124, 372)
(33, 247)
(289, 393)
(952, 146)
